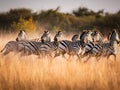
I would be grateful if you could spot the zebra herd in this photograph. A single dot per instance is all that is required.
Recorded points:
(90, 44)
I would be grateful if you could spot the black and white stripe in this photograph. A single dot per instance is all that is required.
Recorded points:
(48, 48)
(89, 46)
(74, 47)
(25, 46)
(106, 49)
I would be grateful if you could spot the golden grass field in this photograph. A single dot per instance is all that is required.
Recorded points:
(31, 73)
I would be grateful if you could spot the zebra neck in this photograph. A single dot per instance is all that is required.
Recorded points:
(112, 42)
(55, 43)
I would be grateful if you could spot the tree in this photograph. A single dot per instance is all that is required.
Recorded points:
(27, 25)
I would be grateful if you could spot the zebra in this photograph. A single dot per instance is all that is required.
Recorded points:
(109, 48)
(12, 45)
(73, 47)
(49, 48)
(97, 39)
(31, 46)
(46, 36)
(97, 36)
(21, 36)
(21, 45)
(106, 49)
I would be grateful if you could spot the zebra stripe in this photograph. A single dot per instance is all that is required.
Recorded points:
(23, 46)
(73, 47)
(106, 49)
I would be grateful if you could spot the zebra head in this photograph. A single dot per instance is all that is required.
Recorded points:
(46, 36)
(21, 35)
(88, 36)
(114, 37)
(58, 36)
(97, 36)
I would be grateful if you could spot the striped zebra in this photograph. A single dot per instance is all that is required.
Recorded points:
(97, 36)
(22, 45)
(32, 46)
(45, 37)
(106, 49)
(73, 47)
(11, 46)
(97, 39)
(49, 48)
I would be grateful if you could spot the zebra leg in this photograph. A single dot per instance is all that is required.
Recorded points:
(2, 50)
(56, 54)
(98, 58)
(79, 58)
(50, 57)
(87, 59)
(5, 51)
(69, 57)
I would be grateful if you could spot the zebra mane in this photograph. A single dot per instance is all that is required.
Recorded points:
(110, 34)
(98, 32)
(82, 34)
(95, 31)
(75, 37)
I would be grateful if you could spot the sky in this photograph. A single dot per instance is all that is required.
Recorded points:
(111, 6)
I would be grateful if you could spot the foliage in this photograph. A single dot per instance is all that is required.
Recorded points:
(6, 19)
(83, 11)
(54, 20)
(27, 25)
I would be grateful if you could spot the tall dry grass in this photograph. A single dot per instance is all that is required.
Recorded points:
(31, 73)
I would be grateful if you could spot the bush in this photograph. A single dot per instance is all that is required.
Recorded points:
(27, 25)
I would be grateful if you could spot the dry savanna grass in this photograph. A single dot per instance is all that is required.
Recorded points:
(32, 73)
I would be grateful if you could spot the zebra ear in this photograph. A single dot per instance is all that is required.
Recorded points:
(45, 31)
(17, 39)
(109, 35)
(114, 30)
(59, 32)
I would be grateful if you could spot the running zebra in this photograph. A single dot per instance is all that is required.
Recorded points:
(22, 45)
(97, 39)
(44, 38)
(49, 48)
(74, 47)
(11, 46)
(97, 36)
(106, 49)
(32, 46)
